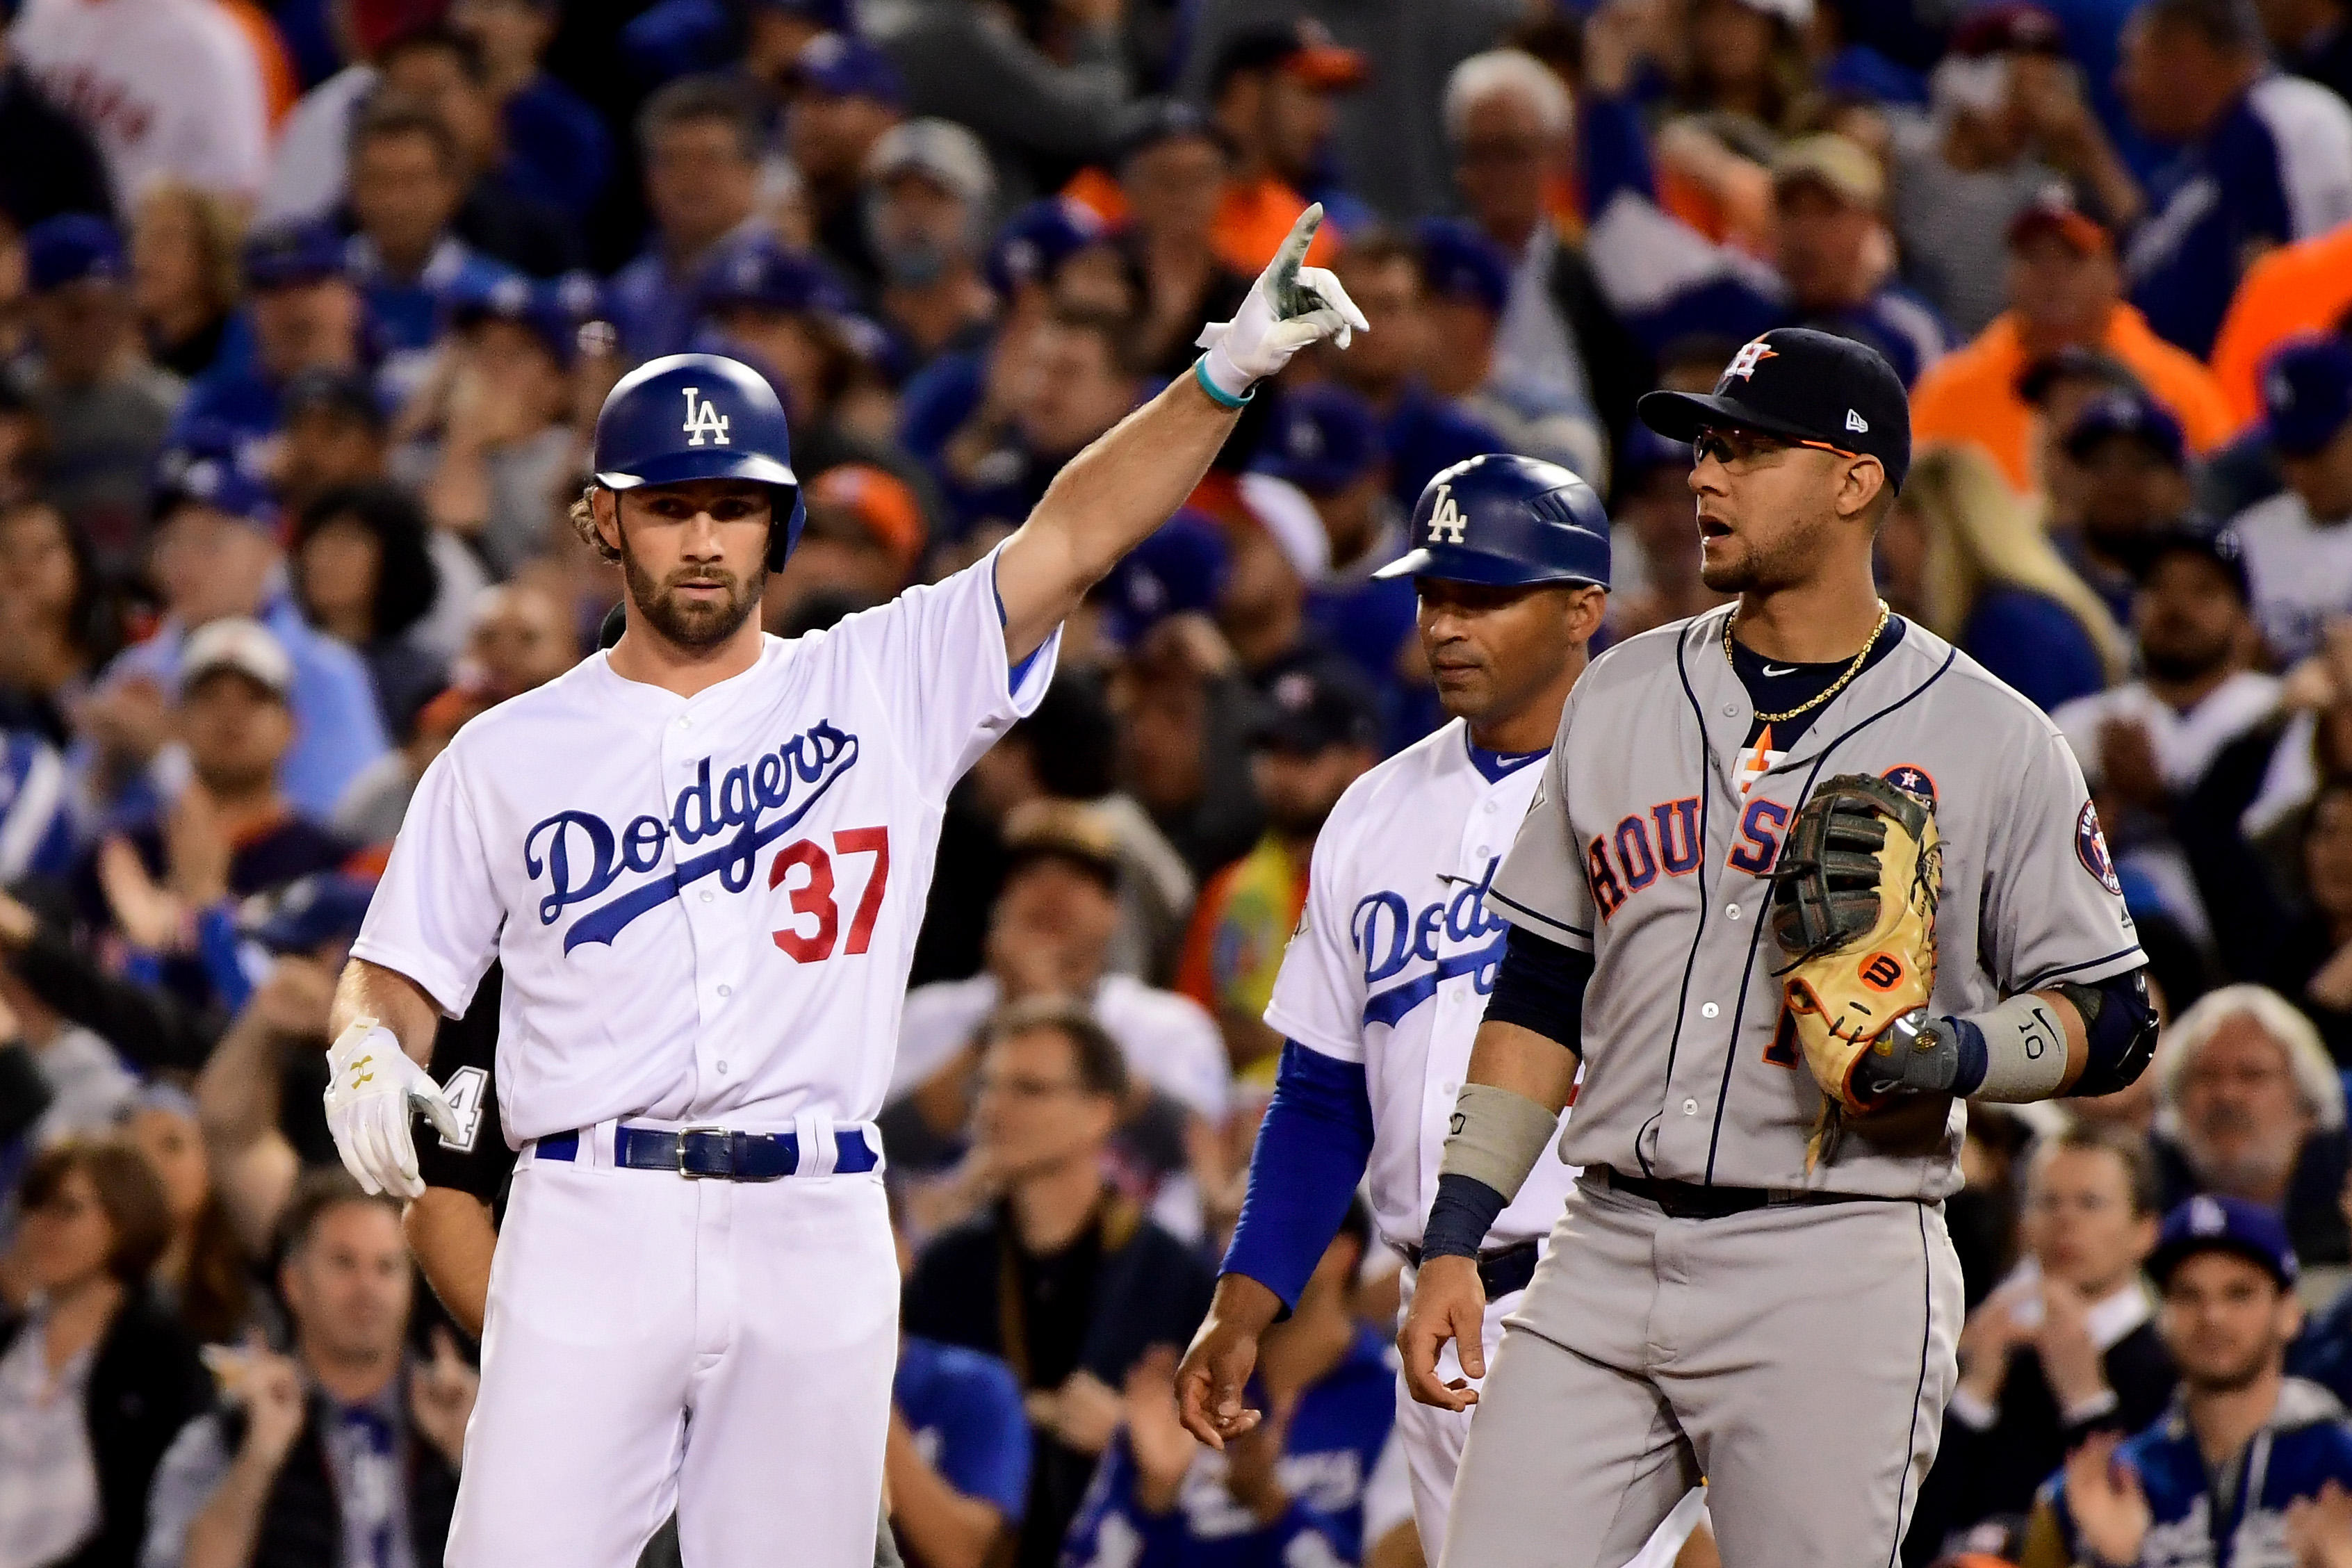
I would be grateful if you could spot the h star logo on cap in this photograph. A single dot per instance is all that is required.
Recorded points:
(1743, 363)
(1446, 523)
(703, 418)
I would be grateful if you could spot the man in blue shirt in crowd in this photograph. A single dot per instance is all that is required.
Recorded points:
(1385, 275)
(1322, 1464)
(558, 150)
(2264, 159)
(700, 141)
(2217, 1480)
(302, 314)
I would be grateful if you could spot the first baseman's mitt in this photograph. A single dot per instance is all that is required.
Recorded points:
(1853, 907)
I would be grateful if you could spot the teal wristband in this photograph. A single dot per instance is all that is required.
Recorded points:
(1200, 374)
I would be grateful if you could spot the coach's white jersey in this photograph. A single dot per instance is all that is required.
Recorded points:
(1396, 954)
(706, 906)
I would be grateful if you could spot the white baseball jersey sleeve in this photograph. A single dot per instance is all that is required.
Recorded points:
(168, 87)
(1396, 955)
(706, 906)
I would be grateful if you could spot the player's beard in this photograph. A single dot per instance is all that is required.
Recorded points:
(693, 624)
(1764, 567)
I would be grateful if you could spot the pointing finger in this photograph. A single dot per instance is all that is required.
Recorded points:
(1295, 244)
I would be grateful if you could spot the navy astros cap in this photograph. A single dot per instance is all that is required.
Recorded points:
(2132, 415)
(2307, 395)
(2211, 1222)
(1802, 385)
(1309, 707)
(1504, 519)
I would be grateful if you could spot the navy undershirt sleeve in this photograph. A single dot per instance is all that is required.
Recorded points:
(1311, 1152)
(1540, 985)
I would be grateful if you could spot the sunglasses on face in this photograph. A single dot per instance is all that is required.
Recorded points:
(1740, 450)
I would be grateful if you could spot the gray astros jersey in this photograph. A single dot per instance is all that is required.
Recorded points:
(1643, 849)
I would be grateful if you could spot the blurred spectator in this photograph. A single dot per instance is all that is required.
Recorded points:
(2129, 475)
(1043, 114)
(2146, 745)
(499, 214)
(2301, 287)
(700, 144)
(88, 1085)
(105, 406)
(2313, 38)
(1469, 287)
(95, 1379)
(1173, 173)
(2298, 550)
(2250, 1107)
(1273, 91)
(184, 274)
(216, 556)
(489, 442)
(166, 88)
(1062, 1277)
(1050, 934)
(2313, 962)
(54, 167)
(341, 1451)
(2064, 291)
(202, 1275)
(2265, 160)
(557, 148)
(1653, 553)
(2008, 122)
(928, 188)
(370, 811)
(305, 314)
(2065, 1347)
(957, 1467)
(1965, 556)
(521, 639)
(1187, 708)
(1744, 59)
(2244, 1446)
(1074, 383)
(1510, 122)
(863, 536)
(362, 573)
(1322, 1464)
(1319, 736)
(405, 187)
(1383, 273)
(848, 96)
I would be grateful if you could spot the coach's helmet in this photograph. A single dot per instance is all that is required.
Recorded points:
(700, 416)
(1504, 519)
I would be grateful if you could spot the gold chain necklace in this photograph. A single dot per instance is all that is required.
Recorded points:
(1835, 687)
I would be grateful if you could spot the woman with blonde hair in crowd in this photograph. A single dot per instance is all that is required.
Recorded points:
(1966, 558)
(184, 273)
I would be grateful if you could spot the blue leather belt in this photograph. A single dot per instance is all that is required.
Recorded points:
(719, 1153)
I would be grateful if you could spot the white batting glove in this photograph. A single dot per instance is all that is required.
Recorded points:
(1289, 307)
(371, 1086)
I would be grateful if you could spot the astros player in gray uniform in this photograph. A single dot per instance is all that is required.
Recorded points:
(1727, 1294)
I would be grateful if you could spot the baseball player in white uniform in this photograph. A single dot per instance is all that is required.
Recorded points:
(701, 859)
(1385, 981)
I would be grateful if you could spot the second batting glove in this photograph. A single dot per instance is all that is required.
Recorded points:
(371, 1086)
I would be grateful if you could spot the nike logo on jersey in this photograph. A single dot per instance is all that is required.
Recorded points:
(581, 856)
(1388, 934)
(1780, 669)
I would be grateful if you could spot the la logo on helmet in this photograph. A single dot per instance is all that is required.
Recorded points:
(1445, 520)
(703, 418)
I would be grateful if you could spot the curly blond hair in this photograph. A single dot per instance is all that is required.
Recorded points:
(582, 513)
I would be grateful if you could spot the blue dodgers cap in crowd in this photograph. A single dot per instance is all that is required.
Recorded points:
(2211, 1222)
(843, 65)
(203, 472)
(75, 247)
(768, 275)
(1803, 385)
(2130, 414)
(2307, 394)
(1323, 436)
(1035, 241)
(1462, 264)
(1180, 566)
(550, 311)
(324, 907)
(293, 253)
(1505, 521)
(1310, 706)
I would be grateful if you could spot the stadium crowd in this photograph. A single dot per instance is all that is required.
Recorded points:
(305, 308)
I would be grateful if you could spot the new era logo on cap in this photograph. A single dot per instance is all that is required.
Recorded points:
(1855, 421)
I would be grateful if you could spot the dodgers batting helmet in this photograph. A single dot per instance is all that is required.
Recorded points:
(700, 416)
(1504, 519)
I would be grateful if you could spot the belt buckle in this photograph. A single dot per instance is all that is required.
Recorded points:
(684, 1135)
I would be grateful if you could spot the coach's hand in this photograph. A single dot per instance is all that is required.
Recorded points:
(1449, 1302)
(1211, 1384)
(371, 1088)
(1289, 307)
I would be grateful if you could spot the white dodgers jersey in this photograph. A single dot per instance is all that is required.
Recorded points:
(706, 905)
(1396, 954)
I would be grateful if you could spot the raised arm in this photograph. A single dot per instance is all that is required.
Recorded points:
(1111, 496)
